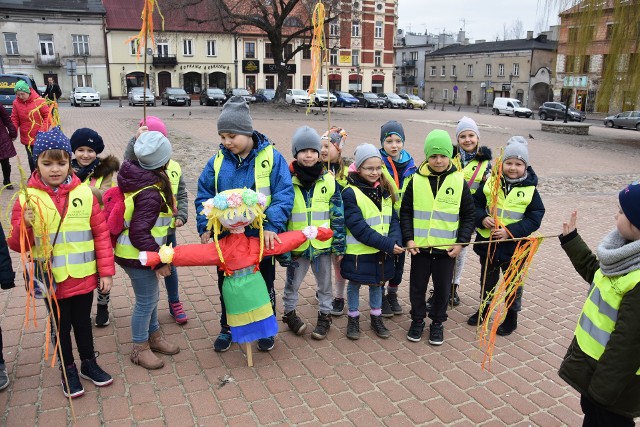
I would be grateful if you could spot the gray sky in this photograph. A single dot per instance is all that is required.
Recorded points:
(483, 19)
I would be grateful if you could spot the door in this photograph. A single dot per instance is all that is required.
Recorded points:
(468, 97)
(164, 81)
(250, 84)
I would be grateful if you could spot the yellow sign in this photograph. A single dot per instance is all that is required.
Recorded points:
(345, 59)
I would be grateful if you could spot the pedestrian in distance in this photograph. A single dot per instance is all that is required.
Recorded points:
(8, 133)
(29, 116)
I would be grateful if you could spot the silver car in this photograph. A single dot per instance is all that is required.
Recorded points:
(626, 119)
(82, 96)
(138, 96)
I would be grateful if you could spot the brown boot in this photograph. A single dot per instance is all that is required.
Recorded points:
(142, 355)
(158, 344)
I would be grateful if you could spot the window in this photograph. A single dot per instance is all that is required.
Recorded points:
(377, 58)
(501, 70)
(163, 48)
(378, 30)
(573, 34)
(414, 55)
(133, 47)
(80, 44)
(334, 29)
(609, 34)
(443, 70)
(211, 48)
(586, 60)
(249, 49)
(187, 47)
(306, 53)
(306, 81)
(268, 53)
(333, 57)
(83, 80)
(488, 70)
(46, 44)
(516, 69)
(288, 50)
(432, 71)
(355, 29)
(355, 57)
(11, 43)
(445, 94)
(453, 71)
(470, 70)
(570, 64)
(270, 82)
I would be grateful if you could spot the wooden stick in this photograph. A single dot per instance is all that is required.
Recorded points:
(249, 355)
(483, 242)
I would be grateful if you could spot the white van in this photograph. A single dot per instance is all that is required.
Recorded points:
(510, 107)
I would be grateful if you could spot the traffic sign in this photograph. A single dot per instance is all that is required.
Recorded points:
(455, 88)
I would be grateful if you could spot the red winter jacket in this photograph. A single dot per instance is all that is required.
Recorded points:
(20, 116)
(101, 239)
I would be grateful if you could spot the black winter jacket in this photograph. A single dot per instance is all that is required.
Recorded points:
(7, 276)
(467, 210)
(610, 381)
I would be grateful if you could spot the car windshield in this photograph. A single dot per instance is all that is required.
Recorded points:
(392, 96)
(7, 84)
(269, 92)
(241, 92)
(85, 90)
(176, 92)
(517, 104)
(298, 92)
(214, 91)
(139, 90)
(370, 95)
(321, 92)
(414, 97)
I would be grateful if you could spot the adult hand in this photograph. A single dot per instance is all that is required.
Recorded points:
(411, 247)
(488, 222)
(105, 284)
(270, 239)
(454, 250)
(204, 237)
(569, 227)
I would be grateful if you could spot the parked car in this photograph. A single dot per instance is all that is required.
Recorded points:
(369, 99)
(413, 101)
(626, 119)
(8, 83)
(175, 96)
(297, 97)
(41, 89)
(138, 96)
(556, 110)
(510, 107)
(322, 97)
(82, 96)
(345, 99)
(393, 100)
(265, 95)
(212, 96)
(241, 92)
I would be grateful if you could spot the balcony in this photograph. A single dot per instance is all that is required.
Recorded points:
(165, 60)
(409, 80)
(48, 60)
(409, 63)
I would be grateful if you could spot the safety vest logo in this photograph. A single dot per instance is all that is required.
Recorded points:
(323, 190)
(449, 191)
(474, 167)
(76, 202)
(520, 194)
(448, 197)
(265, 164)
(174, 174)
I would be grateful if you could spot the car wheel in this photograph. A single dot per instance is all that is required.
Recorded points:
(410, 106)
(638, 127)
(543, 116)
(608, 123)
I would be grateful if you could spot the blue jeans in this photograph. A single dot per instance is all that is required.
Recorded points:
(171, 282)
(144, 319)
(353, 296)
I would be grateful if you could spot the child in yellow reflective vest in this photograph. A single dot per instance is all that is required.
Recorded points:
(520, 211)
(436, 214)
(602, 362)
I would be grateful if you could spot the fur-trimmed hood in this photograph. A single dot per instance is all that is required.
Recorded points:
(108, 166)
(484, 153)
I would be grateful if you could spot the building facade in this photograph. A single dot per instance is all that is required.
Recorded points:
(62, 40)
(477, 73)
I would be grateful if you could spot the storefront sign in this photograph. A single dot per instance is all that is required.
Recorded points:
(273, 69)
(250, 66)
(575, 81)
(204, 67)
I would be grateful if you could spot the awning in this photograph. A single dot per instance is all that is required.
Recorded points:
(335, 77)
(377, 78)
(355, 77)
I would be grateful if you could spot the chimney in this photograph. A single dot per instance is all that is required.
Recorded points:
(529, 35)
(461, 36)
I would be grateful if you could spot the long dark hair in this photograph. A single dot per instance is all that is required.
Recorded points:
(165, 186)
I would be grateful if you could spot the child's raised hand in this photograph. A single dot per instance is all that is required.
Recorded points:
(488, 222)
(28, 216)
(105, 284)
(569, 227)
(142, 129)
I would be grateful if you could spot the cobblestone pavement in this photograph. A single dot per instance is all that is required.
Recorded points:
(336, 381)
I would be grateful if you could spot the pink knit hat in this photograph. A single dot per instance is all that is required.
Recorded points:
(155, 124)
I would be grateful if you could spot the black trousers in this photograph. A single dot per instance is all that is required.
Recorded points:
(1, 356)
(597, 416)
(493, 276)
(30, 158)
(440, 268)
(268, 271)
(75, 312)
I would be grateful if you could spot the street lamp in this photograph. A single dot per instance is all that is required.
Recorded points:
(359, 79)
(85, 58)
(510, 79)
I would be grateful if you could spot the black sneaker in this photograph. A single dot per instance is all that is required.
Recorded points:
(378, 327)
(392, 297)
(4, 377)
(353, 327)
(102, 316)
(90, 370)
(322, 328)
(337, 307)
(429, 300)
(266, 344)
(415, 330)
(436, 333)
(386, 308)
(75, 386)
(456, 297)
(223, 342)
(294, 322)
(473, 319)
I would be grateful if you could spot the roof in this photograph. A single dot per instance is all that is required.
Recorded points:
(41, 6)
(538, 43)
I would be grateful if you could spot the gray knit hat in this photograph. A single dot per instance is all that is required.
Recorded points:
(235, 117)
(152, 149)
(390, 128)
(467, 123)
(305, 138)
(364, 152)
(516, 149)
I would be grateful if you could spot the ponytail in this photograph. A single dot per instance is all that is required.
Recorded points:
(386, 185)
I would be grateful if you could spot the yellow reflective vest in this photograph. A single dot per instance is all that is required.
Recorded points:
(316, 213)
(470, 170)
(436, 219)
(262, 170)
(510, 208)
(73, 253)
(398, 191)
(377, 219)
(600, 311)
(124, 247)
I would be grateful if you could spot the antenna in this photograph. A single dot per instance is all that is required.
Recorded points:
(464, 24)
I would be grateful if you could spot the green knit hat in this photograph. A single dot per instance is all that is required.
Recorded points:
(438, 142)
(22, 86)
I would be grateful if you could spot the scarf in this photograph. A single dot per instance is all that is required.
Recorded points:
(617, 255)
(374, 192)
(84, 171)
(465, 157)
(308, 175)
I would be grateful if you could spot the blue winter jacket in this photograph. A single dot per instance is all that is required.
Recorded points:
(371, 269)
(239, 173)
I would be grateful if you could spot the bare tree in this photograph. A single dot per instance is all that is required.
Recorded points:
(517, 29)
